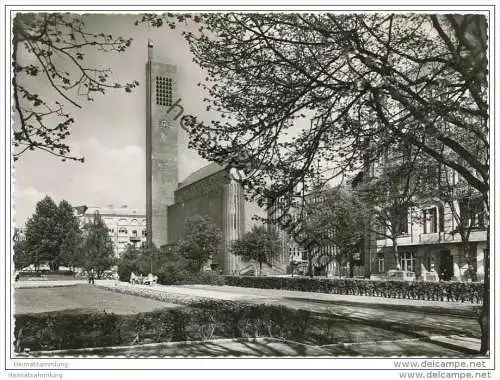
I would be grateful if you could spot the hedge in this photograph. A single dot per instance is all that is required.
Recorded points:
(435, 291)
(187, 278)
(199, 321)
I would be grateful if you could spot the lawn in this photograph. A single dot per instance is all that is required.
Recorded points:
(82, 298)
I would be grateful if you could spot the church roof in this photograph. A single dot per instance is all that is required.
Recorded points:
(200, 174)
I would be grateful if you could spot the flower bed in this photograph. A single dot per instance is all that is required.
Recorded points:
(151, 292)
(435, 291)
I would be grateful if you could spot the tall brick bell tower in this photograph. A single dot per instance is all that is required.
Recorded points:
(161, 146)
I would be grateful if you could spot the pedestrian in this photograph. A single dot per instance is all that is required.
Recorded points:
(91, 277)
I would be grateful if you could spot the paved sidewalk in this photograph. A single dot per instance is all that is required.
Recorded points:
(260, 347)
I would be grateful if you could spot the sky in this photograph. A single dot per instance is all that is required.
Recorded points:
(110, 132)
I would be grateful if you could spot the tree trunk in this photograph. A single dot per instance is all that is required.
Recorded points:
(484, 322)
(260, 268)
(484, 317)
(468, 257)
(351, 267)
(309, 265)
(396, 253)
(54, 266)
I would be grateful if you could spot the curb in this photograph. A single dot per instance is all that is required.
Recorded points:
(443, 341)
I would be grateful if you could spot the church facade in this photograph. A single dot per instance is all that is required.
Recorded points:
(212, 192)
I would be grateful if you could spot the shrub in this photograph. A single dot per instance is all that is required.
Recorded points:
(199, 321)
(56, 331)
(436, 291)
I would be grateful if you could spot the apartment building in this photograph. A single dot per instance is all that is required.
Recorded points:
(443, 235)
(126, 226)
(430, 243)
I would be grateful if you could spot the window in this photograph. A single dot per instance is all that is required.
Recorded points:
(144, 233)
(380, 263)
(441, 218)
(403, 222)
(472, 212)
(163, 91)
(134, 232)
(407, 261)
(430, 220)
(122, 231)
(380, 227)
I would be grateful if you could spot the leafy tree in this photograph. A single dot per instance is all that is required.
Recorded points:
(387, 197)
(98, 253)
(20, 258)
(128, 263)
(378, 77)
(173, 266)
(71, 247)
(69, 236)
(42, 242)
(466, 209)
(50, 51)
(334, 219)
(201, 241)
(367, 81)
(259, 244)
(140, 260)
(150, 259)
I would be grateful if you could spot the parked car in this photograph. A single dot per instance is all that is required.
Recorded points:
(400, 275)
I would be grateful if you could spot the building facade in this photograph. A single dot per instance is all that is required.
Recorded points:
(162, 119)
(19, 234)
(126, 226)
(214, 193)
(443, 236)
(430, 243)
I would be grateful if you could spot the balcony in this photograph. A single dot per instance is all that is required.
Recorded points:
(403, 239)
(431, 238)
(479, 235)
(135, 239)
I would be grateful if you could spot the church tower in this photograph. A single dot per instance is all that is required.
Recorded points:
(162, 119)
